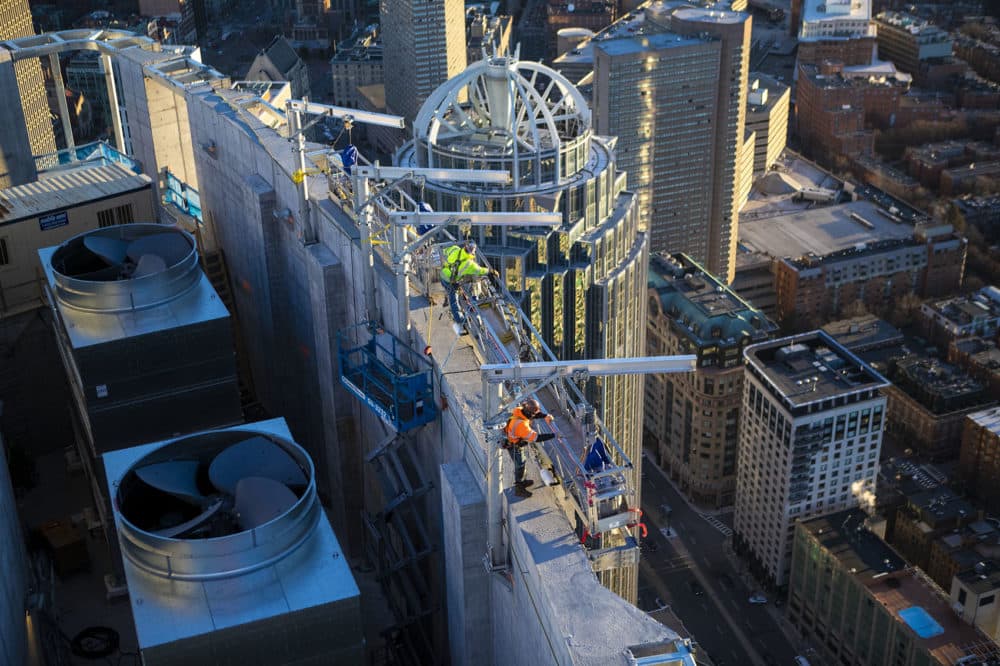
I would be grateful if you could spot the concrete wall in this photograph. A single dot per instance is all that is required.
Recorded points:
(158, 122)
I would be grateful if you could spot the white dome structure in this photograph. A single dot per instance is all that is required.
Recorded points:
(502, 113)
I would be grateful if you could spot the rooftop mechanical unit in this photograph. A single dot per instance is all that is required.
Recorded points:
(228, 556)
(145, 338)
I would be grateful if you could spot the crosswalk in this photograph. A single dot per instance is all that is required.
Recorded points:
(717, 524)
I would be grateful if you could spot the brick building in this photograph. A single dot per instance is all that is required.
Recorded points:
(910, 43)
(835, 110)
(980, 358)
(692, 419)
(979, 460)
(962, 316)
(811, 289)
(928, 402)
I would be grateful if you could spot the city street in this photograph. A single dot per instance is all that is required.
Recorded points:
(689, 571)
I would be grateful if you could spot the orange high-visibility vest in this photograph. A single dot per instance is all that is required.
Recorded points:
(518, 428)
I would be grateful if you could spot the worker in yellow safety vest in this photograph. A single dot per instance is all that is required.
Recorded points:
(519, 434)
(459, 266)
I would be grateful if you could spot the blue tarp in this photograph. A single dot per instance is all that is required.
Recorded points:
(598, 457)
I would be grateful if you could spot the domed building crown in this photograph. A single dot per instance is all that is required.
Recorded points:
(503, 113)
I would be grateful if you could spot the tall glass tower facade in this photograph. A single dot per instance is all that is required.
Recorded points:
(583, 284)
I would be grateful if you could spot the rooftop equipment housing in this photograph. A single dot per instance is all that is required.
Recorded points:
(145, 339)
(228, 556)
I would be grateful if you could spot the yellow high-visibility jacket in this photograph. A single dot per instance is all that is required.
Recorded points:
(459, 265)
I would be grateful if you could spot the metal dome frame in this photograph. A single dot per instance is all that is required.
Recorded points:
(498, 97)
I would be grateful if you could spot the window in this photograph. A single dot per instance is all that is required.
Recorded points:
(114, 216)
(987, 600)
(4, 255)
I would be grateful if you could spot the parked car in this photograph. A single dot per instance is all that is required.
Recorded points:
(757, 599)
(696, 588)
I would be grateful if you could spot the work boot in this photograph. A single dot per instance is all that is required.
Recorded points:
(525, 484)
(521, 491)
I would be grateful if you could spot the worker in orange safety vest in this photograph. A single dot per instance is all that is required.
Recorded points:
(520, 434)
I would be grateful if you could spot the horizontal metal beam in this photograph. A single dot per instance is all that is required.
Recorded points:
(649, 365)
(366, 117)
(460, 175)
(106, 41)
(477, 219)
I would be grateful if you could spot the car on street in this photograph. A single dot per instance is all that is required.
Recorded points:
(757, 599)
(696, 588)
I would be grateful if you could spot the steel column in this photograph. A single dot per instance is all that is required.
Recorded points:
(61, 99)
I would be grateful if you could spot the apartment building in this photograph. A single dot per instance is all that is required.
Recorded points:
(834, 29)
(811, 433)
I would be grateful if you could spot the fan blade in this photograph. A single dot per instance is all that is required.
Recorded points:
(110, 250)
(256, 456)
(170, 247)
(148, 265)
(177, 478)
(260, 500)
(197, 521)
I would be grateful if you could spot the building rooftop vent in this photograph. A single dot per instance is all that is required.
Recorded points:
(126, 267)
(216, 504)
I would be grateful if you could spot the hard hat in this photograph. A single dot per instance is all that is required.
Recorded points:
(531, 406)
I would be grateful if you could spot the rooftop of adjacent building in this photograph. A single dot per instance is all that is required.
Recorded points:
(362, 45)
(961, 310)
(812, 367)
(988, 419)
(65, 188)
(781, 227)
(708, 311)
(764, 93)
(983, 576)
(976, 204)
(906, 593)
(831, 74)
(932, 377)
(624, 44)
(941, 505)
(915, 25)
(860, 552)
(864, 333)
(281, 54)
(835, 10)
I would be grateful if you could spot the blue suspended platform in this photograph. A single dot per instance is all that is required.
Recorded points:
(390, 377)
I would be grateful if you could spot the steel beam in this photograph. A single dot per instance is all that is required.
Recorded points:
(477, 219)
(367, 117)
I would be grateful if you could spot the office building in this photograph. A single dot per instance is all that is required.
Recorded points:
(856, 600)
(811, 433)
(693, 419)
(425, 42)
(28, 85)
(673, 88)
(582, 285)
(834, 29)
